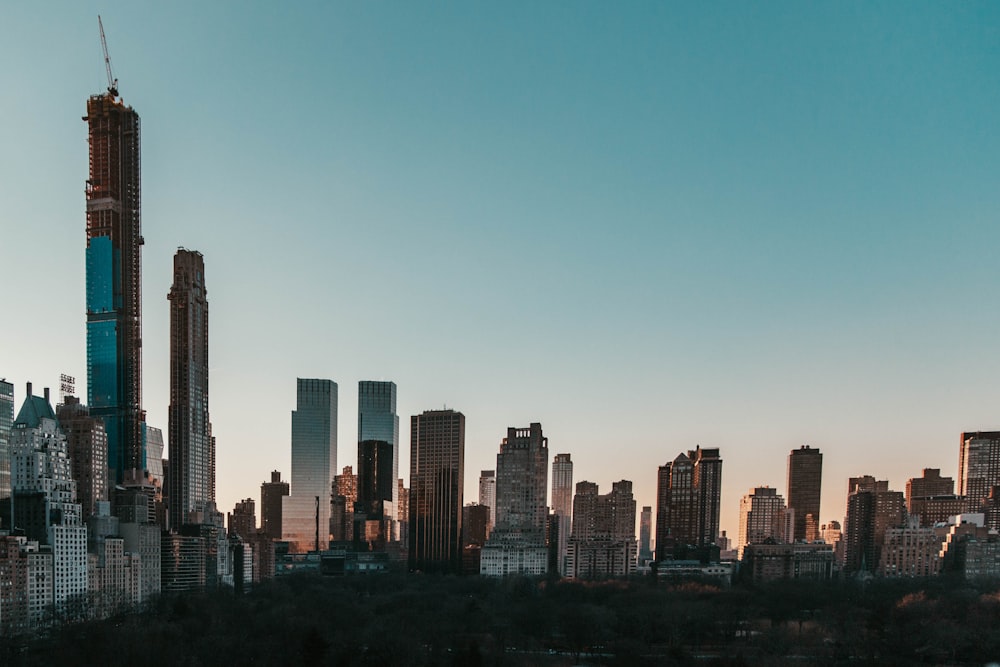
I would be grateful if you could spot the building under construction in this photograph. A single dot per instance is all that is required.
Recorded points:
(114, 294)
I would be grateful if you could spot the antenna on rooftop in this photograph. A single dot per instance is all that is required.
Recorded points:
(112, 81)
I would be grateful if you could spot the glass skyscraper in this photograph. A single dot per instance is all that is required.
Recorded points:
(114, 273)
(378, 442)
(305, 514)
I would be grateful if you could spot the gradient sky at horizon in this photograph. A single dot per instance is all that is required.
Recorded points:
(647, 227)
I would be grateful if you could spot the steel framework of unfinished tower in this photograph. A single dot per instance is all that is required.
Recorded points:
(114, 295)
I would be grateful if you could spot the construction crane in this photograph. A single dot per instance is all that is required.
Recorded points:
(112, 81)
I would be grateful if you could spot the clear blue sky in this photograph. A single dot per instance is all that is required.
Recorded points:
(647, 226)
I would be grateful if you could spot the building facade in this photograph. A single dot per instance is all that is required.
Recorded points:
(6, 422)
(562, 505)
(305, 513)
(189, 431)
(488, 493)
(688, 497)
(762, 518)
(978, 467)
(271, 494)
(602, 543)
(805, 478)
(437, 463)
(519, 537)
(114, 279)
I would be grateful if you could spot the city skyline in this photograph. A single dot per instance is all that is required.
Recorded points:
(761, 251)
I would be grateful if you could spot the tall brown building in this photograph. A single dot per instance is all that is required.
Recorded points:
(872, 509)
(932, 499)
(688, 495)
(87, 446)
(805, 477)
(271, 494)
(191, 445)
(437, 469)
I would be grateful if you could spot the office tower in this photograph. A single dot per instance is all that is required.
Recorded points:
(932, 499)
(403, 515)
(114, 279)
(762, 517)
(437, 463)
(44, 495)
(271, 494)
(978, 467)
(243, 519)
(488, 493)
(6, 421)
(87, 445)
(805, 477)
(688, 496)
(645, 534)
(343, 498)
(603, 539)
(305, 514)
(475, 519)
(154, 457)
(517, 542)
(377, 423)
(562, 505)
(872, 509)
(189, 430)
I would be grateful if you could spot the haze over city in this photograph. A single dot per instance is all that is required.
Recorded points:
(646, 227)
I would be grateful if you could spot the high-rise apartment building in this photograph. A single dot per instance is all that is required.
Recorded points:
(645, 534)
(762, 517)
(6, 421)
(978, 467)
(44, 495)
(271, 494)
(189, 432)
(488, 493)
(805, 477)
(688, 497)
(437, 464)
(305, 514)
(517, 542)
(872, 509)
(931, 498)
(603, 540)
(87, 446)
(114, 280)
(243, 519)
(562, 504)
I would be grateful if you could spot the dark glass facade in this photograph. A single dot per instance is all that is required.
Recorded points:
(437, 465)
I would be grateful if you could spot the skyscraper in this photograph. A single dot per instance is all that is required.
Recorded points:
(688, 496)
(437, 463)
(517, 542)
(978, 467)
(645, 534)
(6, 422)
(872, 509)
(562, 504)
(114, 294)
(603, 539)
(805, 477)
(189, 431)
(271, 494)
(488, 493)
(378, 454)
(762, 517)
(87, 446)
(305, 514)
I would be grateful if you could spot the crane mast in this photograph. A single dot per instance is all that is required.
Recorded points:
(112, 81)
